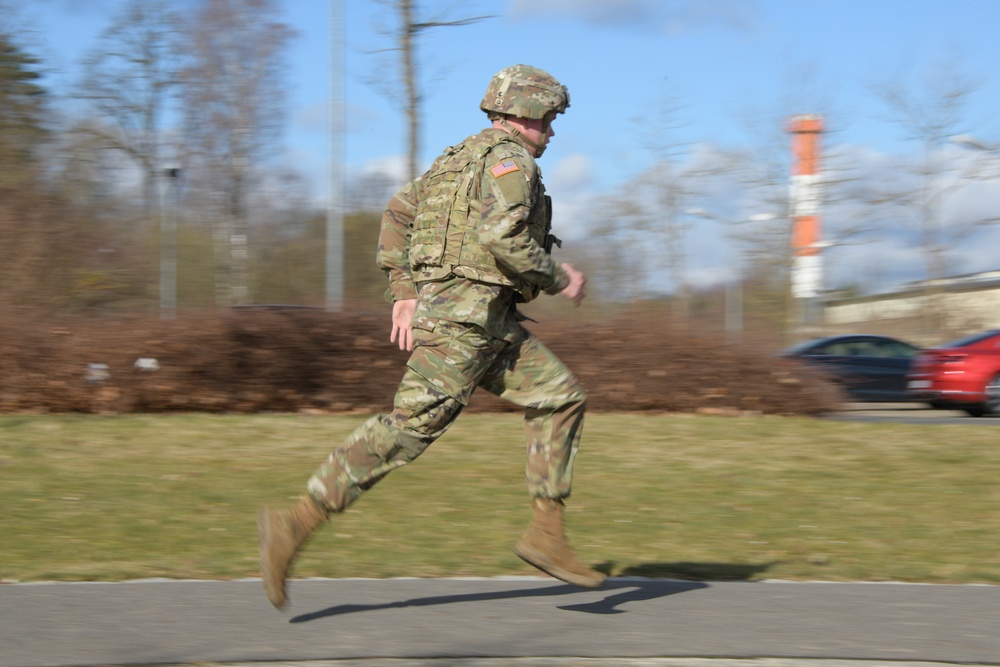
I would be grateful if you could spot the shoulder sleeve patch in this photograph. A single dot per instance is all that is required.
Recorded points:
(504, 167)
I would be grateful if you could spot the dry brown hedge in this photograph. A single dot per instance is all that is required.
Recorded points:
(296, 360)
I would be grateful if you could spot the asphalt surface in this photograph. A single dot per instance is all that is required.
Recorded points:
(909, 413)
(524, 622)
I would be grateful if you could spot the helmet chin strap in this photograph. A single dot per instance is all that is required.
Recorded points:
(514, 132)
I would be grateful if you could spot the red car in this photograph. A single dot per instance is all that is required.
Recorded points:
(961, 375)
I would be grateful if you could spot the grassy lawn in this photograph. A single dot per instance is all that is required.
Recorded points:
(124, 497)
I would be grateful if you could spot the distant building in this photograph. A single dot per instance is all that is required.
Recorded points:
(962, 304)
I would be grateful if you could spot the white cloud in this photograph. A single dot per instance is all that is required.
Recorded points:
(391, 166)
(571, 174)
(570, 182)
(570, 216)
(879, 266)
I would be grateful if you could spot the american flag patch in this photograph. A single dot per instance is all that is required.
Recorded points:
(504, 167)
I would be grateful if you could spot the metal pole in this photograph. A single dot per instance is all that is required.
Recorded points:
(734, 309)
(335, 208)
(168, 247)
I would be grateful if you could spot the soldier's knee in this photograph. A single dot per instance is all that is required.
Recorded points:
(399, 445)
(382, 438)
(409, 445)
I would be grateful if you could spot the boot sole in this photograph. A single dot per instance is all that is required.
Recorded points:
(275, 594)
(539, 560)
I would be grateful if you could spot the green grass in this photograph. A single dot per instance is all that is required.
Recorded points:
(123, 497)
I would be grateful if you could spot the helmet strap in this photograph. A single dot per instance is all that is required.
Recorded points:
(516, 133)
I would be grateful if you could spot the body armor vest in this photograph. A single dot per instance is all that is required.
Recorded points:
(445, 240)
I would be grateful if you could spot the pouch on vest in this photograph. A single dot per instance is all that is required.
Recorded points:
(442, 212)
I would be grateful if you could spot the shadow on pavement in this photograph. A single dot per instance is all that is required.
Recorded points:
(637, 590)
(696, 571)
(640, 590)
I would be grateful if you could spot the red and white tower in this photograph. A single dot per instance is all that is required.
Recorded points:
(804, 199)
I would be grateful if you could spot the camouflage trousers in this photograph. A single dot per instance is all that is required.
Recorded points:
(444, 370)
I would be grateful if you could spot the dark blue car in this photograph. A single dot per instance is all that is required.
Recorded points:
(870, 368)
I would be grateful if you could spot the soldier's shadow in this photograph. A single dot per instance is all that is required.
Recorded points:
(698, 571)
(631, 590)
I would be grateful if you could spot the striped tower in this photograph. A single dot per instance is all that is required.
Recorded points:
(804, 198)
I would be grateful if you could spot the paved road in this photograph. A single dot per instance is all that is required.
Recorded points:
(511, 621)
(909, 413)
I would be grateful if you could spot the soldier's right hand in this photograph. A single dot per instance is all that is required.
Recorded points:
(402, 314)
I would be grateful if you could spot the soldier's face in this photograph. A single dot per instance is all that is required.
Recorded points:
(540, 131)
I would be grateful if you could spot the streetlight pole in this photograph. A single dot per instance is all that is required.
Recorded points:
(168, 245)
(735, 292)
(734, 308)
(335, 208)
(733, 301)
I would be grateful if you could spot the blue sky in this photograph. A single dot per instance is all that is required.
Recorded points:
(720, 58)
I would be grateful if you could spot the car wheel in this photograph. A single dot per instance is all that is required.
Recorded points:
(978, 410)
(992, 392)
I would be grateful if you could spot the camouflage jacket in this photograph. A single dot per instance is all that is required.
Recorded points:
(471, 237)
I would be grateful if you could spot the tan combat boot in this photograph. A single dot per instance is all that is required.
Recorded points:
(545, 547)
(281, 533)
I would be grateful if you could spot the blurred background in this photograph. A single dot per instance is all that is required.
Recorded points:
(762, 169)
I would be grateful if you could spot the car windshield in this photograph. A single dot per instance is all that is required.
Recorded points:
(802, 347)
(973, 339)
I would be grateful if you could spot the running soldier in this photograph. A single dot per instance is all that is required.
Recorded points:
(462, 245)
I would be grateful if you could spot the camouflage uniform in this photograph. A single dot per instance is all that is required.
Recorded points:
(469, 239)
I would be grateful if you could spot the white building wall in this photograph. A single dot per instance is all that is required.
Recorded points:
(966, 310)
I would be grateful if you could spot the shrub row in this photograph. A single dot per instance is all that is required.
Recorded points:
(301, 360)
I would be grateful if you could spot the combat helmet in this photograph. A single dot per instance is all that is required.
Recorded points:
(525, 92)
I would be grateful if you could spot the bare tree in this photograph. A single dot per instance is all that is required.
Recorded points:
(663, 193)
(127, 81)
(404, 37)
(616, 243)
(930, 112)
(764, 227)
(233, 94)
(369, 191)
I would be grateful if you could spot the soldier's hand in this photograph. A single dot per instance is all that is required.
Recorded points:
(402, 314)
(577, 288)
